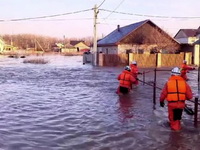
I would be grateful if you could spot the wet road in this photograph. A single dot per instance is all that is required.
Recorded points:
(64, 105)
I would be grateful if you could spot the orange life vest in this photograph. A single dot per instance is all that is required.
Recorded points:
(176, 89)
(125, 79)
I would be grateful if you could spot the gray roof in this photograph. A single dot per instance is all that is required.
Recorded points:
(187, 33)
(197, 42)
(117, 35)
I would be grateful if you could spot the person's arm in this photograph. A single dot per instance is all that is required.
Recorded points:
(189, 68)
(132, 79)
(188, 94)
(118, 78)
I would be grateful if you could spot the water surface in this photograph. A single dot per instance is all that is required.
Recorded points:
(64, 105)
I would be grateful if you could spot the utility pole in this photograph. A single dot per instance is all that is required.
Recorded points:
(95, 35)
(199, 65)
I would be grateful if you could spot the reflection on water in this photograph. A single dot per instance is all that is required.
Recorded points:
(125, 108)
(66, 105)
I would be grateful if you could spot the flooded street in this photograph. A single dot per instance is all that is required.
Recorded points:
(64, 105)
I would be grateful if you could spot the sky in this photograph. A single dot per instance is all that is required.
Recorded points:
(75, 18)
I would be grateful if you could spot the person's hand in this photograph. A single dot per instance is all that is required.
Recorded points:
(162, 104)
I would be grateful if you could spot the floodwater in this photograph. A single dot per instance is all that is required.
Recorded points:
(64, 105)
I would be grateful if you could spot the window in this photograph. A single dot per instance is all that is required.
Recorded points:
(106, 50)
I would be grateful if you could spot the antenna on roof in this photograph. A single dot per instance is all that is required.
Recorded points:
(118, 27)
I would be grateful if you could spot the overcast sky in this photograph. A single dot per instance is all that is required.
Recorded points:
(78, 18)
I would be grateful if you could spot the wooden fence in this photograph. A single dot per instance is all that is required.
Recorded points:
(144, 60)
(113, 59)
(170, 60)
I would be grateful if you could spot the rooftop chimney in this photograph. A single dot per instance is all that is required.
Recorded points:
(118, 27)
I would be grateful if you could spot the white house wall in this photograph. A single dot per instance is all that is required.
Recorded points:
(115, 49)
(124, 47)
(135, 48)
(108, 50)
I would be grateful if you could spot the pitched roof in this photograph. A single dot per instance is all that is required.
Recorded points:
(197, 42)
(75, 42)
(185, 33)
(188, 32)
(119, 33)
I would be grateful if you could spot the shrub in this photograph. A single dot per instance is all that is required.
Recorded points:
(35, 61)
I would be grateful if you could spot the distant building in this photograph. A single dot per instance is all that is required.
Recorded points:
(187, 39)
(71, 47)
(68, 48)
(187, 36)
(140, 37)
(79, 45)
(9, 47)
(4, 47)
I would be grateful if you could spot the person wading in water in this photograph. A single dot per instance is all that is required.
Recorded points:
(176, 91)
(126, 80)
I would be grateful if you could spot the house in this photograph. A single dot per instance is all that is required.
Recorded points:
(68, 48)
(187, 38)
(79, 45)
(140, 37)
(8, 47)
(57, 47)
(2, 44)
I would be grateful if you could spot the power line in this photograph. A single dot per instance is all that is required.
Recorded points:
(49, 16)
(101, 3)
(115, 9)
(154, 16)
(62, 19)
(104, 19)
